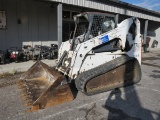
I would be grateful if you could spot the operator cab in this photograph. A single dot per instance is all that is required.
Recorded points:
(91, 24)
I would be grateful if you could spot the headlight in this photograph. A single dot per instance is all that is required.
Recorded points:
(16, 52)
(13, 52)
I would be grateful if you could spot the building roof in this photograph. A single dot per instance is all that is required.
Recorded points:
(114, 6)
(131, 7)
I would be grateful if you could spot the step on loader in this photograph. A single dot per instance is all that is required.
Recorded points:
(101, 56)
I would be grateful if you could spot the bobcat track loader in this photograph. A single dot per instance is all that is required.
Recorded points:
(100, 57)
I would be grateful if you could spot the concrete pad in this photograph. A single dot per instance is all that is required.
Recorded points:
(137, 102)
(22, 66)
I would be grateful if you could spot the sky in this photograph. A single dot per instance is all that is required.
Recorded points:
(148, 4)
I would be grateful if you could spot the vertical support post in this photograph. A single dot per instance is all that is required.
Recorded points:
(144, 36)
(59, 24)
(116, 19)
(29, 22)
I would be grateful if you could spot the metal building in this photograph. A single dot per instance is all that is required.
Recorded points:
(43, 22)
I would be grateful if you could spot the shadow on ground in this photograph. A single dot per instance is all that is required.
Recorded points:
(127, 105)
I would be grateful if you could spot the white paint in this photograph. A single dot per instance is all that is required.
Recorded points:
(92, 61)
(83, 59)
(158, 37)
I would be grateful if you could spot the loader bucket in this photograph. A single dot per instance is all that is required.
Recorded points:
(41, 87)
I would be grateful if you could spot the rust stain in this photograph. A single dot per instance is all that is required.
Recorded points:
(121, 76)
(41, 87)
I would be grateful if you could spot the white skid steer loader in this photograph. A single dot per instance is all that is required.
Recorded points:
(101, 56)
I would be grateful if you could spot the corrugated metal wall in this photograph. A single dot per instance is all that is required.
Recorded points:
(39, 20)
(38, 23)
(95, 4)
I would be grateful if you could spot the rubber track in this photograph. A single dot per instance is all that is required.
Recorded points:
(84, 77)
